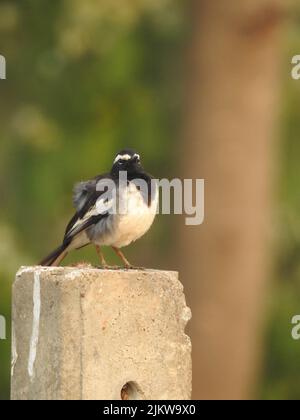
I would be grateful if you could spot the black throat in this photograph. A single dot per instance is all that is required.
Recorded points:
(138, 174)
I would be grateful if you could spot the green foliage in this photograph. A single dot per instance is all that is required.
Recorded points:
(84, 79)
(282, 359)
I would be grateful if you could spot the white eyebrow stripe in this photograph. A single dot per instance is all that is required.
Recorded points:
(123, 157)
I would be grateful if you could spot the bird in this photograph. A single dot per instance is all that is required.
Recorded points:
(95, 223)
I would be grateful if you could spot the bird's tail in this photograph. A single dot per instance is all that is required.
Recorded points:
(56, 257)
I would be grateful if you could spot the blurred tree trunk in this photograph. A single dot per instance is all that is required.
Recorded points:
(229, 140)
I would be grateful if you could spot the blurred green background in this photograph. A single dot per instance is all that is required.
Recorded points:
(86, 78)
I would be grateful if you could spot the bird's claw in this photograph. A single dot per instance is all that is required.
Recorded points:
(116, 267)
(109, 267)
(132, 267)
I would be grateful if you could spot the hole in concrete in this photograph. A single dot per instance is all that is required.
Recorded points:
(131, 391)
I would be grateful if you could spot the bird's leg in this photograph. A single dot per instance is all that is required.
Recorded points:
(122, 256)
(101, 256)
(103, 261)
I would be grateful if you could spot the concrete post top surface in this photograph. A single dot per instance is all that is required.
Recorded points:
(87, 333)
(88, 268)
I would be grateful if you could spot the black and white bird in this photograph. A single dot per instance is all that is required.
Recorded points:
(95, 223)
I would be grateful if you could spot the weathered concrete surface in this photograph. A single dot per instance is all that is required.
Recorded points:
(85, 333)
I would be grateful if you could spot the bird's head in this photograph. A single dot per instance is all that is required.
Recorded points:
(127, 160)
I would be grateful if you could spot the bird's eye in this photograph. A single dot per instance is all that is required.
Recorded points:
(120, 162)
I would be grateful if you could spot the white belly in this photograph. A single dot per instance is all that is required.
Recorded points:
(134, 223)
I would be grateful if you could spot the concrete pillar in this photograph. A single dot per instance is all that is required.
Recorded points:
(85, 333)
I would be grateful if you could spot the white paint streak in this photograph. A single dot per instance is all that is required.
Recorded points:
(35, 323)
(14, 356)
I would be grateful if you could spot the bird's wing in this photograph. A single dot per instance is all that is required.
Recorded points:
(80, 224)
(83, 190)
(92, 206)
(81, 193)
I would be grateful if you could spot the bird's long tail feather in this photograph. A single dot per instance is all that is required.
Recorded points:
(56, 257)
